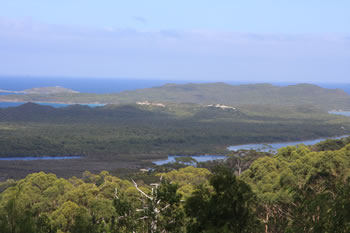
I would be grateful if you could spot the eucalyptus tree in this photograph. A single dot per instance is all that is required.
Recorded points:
(227, 206)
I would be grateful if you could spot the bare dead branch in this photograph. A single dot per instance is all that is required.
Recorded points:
(138, 189)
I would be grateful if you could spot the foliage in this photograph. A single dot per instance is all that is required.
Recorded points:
(297, 190)
(34, 130)
(331, 144)
(97, 203)
(297, 187)
(229, 207)
(188, 178)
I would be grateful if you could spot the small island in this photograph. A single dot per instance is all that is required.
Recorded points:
(41, 91)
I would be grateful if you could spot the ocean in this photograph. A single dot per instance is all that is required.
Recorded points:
(88, 85)
(103, 85)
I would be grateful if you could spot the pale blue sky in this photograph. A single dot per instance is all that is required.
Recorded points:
(253, 40)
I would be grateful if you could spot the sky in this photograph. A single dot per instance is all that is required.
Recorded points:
(236, 40)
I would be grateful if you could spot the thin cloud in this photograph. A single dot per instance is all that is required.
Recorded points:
(140, 19)
(36, 48)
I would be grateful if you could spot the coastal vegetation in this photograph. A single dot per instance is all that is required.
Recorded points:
(115, 187)
(36, 130)
(205, 93)
(300, 189)
(136, 134)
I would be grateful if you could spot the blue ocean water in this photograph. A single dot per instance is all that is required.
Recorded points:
(343, 86)
(103, 85)
(87, 85)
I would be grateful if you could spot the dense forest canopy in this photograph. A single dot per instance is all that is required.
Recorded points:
(301, 189)
(36, 130)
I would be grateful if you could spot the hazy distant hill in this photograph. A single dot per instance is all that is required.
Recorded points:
(42, 90)
(112, 113)
(210, 93)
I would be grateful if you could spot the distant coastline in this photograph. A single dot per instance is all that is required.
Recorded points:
(41, 90)
(116, 85)
(52, 104)
(218, 94)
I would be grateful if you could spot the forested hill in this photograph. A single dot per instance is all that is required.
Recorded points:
(138, 130)
(245, 94)
(209, 93)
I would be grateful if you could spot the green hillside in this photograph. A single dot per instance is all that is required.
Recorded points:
(142, 131)
(209, 93)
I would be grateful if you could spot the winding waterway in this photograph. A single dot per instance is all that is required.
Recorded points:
(273, 147)
(262, 147)
(340, 113)
(198, 158)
